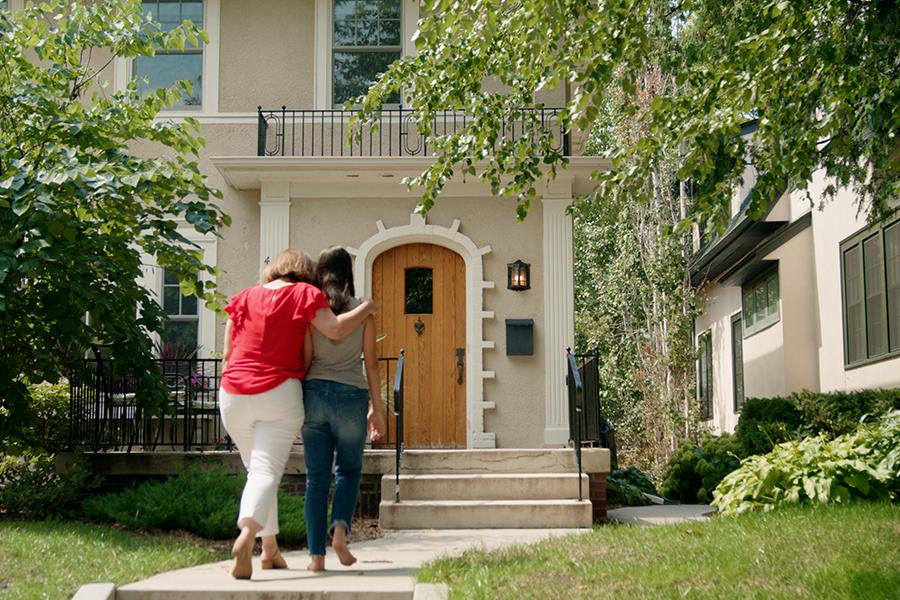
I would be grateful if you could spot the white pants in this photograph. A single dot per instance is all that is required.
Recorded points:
(263, 426)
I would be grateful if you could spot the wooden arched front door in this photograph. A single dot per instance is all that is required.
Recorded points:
(420, 290)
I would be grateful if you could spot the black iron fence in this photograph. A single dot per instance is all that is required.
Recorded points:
(104, 413)
(283, 132)
(586, 422)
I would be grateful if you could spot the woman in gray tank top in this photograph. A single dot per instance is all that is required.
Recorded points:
(339, 402)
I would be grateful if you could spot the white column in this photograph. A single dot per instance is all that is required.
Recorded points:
(559, 309)
(274, 219)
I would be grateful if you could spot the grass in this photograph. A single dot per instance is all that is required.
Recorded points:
(823, 552)
(51, 560)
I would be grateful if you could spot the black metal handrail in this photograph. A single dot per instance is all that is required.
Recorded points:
(596, 430)
(283, 132)
(576, 410)
(398, 415)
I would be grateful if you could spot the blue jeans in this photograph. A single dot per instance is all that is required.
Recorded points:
(335, 423)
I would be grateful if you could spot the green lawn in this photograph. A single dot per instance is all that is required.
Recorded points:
(825, 552)
(52, 560)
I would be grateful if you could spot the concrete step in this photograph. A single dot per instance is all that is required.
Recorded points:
(486, 486)
(487, 514)
(551, 460)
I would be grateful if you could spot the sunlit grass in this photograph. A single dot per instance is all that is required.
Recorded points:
(825, 552)
(53, 559)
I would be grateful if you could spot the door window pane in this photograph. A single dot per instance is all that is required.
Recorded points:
(873, 263)
(419, 291)
(854, 318)
(892, 268)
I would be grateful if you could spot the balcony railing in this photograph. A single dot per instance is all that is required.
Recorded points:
(283, 132)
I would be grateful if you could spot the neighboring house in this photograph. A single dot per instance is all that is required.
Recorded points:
(441, 284)
(808, 298)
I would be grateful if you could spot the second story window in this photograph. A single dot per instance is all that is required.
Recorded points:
(870, 278)
(760, 303)
(169, 67)
(366, 40)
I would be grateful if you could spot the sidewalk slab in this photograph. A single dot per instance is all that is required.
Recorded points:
(385, 571)
(666, 514)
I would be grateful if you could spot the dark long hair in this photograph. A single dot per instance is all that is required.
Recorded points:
(334, 272)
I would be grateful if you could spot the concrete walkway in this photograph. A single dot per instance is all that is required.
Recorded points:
(386, 569)
(661, 514)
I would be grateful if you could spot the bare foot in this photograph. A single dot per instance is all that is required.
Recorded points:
(316, 564)
(339, 543)
(242, 551)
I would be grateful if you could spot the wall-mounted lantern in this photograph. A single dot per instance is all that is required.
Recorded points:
(518, 276)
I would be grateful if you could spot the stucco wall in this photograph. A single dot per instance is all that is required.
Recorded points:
(267, 54)
(833, 223)
(719, 304)
(518, 388)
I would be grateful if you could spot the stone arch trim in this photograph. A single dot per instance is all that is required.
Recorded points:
(418, 231)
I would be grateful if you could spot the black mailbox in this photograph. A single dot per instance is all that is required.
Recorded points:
(519, 337)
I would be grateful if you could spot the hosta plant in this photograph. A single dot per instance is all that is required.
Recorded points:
(864, 464)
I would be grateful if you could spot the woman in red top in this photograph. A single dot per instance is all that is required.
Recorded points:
(261, 399)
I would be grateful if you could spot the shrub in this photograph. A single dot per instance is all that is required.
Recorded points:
(627, 486)
(765, 422)
(838, 413)
(202, 501)
(864, 464)
(31, 487)
(695, 470)
(46, 426)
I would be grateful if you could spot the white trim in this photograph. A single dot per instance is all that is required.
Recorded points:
(212, 24)
(274, 220)
(559, 306)
(418, 231)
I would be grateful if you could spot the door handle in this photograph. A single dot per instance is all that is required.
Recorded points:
(460, 353)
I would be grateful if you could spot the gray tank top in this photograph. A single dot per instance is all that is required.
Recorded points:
(339, 360)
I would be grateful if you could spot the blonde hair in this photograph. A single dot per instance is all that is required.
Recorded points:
(291, 264)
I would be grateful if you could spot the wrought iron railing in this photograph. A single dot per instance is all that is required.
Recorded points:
(398, 415)
(283, 132)
(104, 413)
(589, 427)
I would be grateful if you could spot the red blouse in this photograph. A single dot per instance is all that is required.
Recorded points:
(268, 328)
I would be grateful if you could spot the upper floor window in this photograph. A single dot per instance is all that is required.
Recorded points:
(2, 3)
(366, 40)
(705, 374)
(760, 303)
(166, 68)
(180, 335)
(870, 278)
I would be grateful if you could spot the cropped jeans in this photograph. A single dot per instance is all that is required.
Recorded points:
(334, 430)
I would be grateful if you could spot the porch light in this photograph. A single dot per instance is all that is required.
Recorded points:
(518, 276)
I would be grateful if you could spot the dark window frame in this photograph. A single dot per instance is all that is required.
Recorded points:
(762, 284)
(886, 309)
(737, 360)
(705, 375)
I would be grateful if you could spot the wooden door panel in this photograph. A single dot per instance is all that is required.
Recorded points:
(435, 410)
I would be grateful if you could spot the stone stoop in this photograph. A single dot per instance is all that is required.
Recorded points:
(491, 489)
